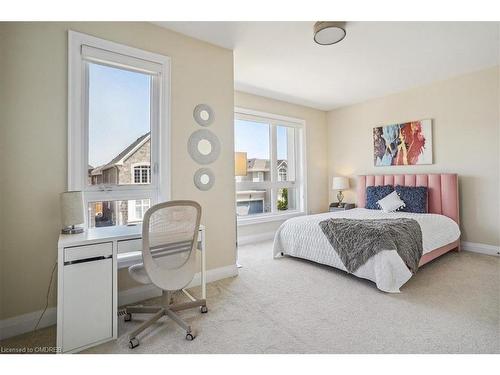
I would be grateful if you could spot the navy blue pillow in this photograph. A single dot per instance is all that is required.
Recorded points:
(376, 193)
(415, 198)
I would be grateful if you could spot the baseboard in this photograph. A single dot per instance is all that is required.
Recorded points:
(140, 293)
(480, 248)
(20, 324)
(215, 274)
(25, 323)
(254, 238)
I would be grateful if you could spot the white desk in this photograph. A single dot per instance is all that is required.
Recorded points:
(87, 288)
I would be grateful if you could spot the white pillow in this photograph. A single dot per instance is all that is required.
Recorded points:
(391, 202)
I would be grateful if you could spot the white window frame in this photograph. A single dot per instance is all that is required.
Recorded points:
(300, 182)
(140, 165)
(132, 207)
(124, 57)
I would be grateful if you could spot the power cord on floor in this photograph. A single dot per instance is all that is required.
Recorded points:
(46, 300)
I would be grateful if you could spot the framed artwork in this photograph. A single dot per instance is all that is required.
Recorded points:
(409, 143)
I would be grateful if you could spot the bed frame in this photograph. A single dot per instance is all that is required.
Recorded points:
(442, 198)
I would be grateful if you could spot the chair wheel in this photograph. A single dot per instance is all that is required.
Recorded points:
(189, 337)
(133, 343)
(127, 317)
(204, 309)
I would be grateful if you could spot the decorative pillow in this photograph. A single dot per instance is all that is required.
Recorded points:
(415, 198)
(376, 193)
(391, 203)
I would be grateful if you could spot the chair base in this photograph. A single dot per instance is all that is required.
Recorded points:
(166, 309)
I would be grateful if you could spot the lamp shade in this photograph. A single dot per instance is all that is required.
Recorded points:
(340, 183)
(240, 163)
(72, 212)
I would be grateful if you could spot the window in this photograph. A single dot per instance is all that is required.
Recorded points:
(118, 129)
(282, 173)
(141, 206)
(274, 184)
(142, 174)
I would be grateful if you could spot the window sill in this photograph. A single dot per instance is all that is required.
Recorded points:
(267, 218)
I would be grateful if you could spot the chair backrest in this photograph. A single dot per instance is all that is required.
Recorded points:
(169, 240)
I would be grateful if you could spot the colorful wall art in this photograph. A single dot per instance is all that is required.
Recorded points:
(409, 143)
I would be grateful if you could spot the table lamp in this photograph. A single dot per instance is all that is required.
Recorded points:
(340, 183)
(72, 212)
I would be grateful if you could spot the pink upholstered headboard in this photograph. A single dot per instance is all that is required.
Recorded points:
(442, 190)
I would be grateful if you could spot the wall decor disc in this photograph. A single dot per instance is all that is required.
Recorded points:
(204, 179)
(204, 146)
(203, 114)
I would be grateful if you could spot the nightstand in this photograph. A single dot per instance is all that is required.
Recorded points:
(334, 207)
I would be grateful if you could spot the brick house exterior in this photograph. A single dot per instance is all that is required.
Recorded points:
(130, 166)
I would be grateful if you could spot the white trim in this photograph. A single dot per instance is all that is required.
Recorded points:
(144, 292)
(139, 293)
(255, 238)
(480, 248)
(300, 162)
(140, 165)
(267, 218)
(160, 120)
(265, 116)
(128, 60)
(20, 324)
(215, 274)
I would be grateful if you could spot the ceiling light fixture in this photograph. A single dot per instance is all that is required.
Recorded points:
(329, 32)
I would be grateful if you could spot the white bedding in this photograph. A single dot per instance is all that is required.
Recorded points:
(302, 237)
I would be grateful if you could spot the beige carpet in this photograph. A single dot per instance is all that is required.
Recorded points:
(294, 306)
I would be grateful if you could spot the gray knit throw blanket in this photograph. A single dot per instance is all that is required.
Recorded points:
(356, 241)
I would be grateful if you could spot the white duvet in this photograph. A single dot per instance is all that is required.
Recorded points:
(302, 237)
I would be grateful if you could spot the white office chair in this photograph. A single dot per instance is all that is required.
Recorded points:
(169, 241)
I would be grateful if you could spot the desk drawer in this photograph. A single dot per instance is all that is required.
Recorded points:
(126, 246)
(72, 254)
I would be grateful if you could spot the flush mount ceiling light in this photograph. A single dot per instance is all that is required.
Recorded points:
(329, 32)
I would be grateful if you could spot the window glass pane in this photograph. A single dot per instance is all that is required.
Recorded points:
(253, 202)
(285, 145)
(286, 199)
(253, 138)
(110, 213)
(118, 125)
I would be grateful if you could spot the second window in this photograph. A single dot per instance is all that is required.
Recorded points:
(272, 182)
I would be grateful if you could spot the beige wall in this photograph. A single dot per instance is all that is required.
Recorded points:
(3, 98)
(34, 132)
(316, 151)
(465, 118)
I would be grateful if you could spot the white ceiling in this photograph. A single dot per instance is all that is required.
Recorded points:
(281, 61)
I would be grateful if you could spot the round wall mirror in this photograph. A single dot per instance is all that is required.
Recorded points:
(204, 179)
(204, 146)
(203, 114)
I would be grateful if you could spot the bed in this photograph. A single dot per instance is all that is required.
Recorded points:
(302, 236)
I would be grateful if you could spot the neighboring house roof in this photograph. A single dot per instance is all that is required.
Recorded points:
(123, 155)
(258, 165)
(96, 171)
(262, 165)
(282, 163)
